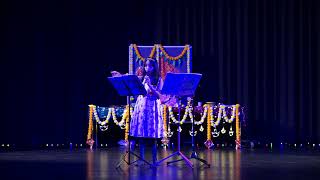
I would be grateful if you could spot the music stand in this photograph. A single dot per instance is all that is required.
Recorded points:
(194, 154)
(128, 85)
(180, 84)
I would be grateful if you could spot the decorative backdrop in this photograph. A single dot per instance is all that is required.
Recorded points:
(169, 58)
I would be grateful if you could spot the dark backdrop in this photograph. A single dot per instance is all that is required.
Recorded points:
(56, 55)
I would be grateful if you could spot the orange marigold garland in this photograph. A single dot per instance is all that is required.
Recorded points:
(186, 48)
(165, 140)
(139, 55)
(90, 140)
(209, 142)
(126, 117)
(238, 128)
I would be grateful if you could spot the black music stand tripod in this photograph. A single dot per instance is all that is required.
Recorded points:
(194, 154)
(128, 85)
(180, 85)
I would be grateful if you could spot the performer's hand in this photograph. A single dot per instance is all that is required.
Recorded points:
(147, 80)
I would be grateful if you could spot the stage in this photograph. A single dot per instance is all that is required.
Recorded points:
(100, 164)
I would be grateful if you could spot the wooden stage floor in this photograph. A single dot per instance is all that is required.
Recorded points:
(100, 164)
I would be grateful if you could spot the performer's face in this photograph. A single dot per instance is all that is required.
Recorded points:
(148, 67)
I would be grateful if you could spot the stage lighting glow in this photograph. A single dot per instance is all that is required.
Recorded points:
(47, 145)
(8, 145)
(2, 145)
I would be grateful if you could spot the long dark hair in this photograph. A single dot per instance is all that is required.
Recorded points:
(154, 76)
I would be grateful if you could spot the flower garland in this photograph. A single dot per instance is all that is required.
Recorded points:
(188, 111)
(131, 59)
(157, 53)
(126, 135)
(188, 60)
(90, 128)
(101, 123)
(229, 120)
(203, 117)
(215, 124)
(124, 116)
(114, 117)
(209, 112)
(208, 142)
(238, 130)
(176, 57)
(165, 140)
(139, 55)
(209, 124)
(165, 120)
(90, 140)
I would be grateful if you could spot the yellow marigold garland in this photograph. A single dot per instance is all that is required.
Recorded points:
(165, 120)
(139, 55)
(209, 124)
(176, 57)
(238, 130)
(126, 117)
(90, 128)
(165, 140)
(127, 129)
(209, 143)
